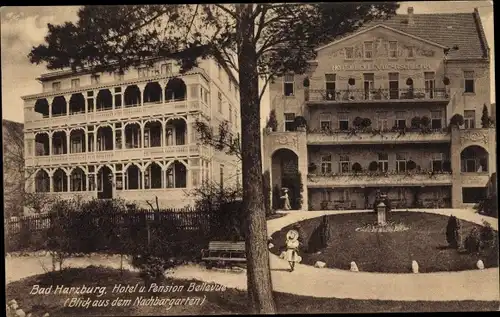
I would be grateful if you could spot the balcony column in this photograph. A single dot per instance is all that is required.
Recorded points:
(94, 97)
(67, 98)
(112, 98)
(188, 130)
(86, 180)
(141, 88)
(95, 137)
(50, 142)
(51, 181)
(123, 136)
(163, 85)
(68, 141)
(141, 172)
(68, 184)
(456, 176)
(49, 101)
(142, 138)
(114, 132)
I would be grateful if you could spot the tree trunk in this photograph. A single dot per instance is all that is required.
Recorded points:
(258, 270)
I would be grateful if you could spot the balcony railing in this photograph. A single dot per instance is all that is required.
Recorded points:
(377, 95)
(362, 179)
(373, 136)
(119, 154)
(147, 110)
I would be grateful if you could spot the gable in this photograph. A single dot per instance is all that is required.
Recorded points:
(408, 47)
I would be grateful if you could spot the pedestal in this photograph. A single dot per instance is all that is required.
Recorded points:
(381, 214)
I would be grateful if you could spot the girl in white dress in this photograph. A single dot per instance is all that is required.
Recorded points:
(292, 247)
(286, 200)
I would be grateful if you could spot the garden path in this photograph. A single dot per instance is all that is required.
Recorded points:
(330, 283)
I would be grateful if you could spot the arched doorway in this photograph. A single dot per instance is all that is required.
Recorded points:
(105, 183)
(285, 174)
(474, 159)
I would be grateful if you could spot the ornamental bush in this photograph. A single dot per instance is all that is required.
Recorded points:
(452, 232)
(472, 242)
(356, 168)
(373, 166)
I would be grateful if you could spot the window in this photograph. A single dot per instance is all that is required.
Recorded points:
(344, 164)
(118, 76)
(382, 122)
(400, 119)
(56, 86)
(330, 86)
(411, 52)
(437, 162)
(473, 194)
(470, 119)
(401, 162)
(349, 52)
(325, 121)
(289, 120)
(288, 85)
(430, 84)
(369, 85)
(76, 144)
(436, 119)
(75, 83)
(343, 121)
(394, 85)
(393, 49)
(469, 81)
(326, 164)
(166, 69)
(383, 162)
(368, 50)
(95, 79)
(219, 101)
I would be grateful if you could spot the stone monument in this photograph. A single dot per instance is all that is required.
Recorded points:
(381, 214)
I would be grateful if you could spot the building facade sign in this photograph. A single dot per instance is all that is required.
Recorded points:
(390, 66)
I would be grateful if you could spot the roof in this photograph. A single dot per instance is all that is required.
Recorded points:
(448, 29)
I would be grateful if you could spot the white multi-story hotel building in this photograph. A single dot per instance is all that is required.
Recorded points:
(130, 135)
(409, 75)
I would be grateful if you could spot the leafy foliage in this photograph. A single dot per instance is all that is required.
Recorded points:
(486, 120)
(457, 120)
(356, 168)
(472, 242)
(373, 166)
(272, 122)
(415, 122)
(425, 121)
(411, 165)
(300, 122)
(224, 140)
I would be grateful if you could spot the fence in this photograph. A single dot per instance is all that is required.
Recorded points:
(103, 231)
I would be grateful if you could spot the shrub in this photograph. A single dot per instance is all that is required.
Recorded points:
(452, 232)
(472, 241)
(210, 196)
(486, 234)
(272, 122)
(306, 82)
(356, 168)
(415, 122)
(151, 267)
(485, 118)
(457, 120)
(319, 237)
(373, 166)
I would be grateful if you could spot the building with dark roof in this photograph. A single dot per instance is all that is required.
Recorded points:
(378, 105)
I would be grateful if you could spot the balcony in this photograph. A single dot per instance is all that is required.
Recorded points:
(322, 137)
(147, 110)
(478, 179)
(364, 179)
(357, 96)
(120, 155)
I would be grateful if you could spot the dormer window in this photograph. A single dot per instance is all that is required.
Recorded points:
(368, 50)
(349, 52)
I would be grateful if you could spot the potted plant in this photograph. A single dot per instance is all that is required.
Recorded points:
(300, 123)
(356, 168)
(272, 122)
(409, 82)
(366, 123)
(306, 84)
(373, 166)
(425, 122)
(351, 81)
(357, 122)
(446, 81)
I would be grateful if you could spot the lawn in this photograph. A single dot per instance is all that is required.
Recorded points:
(424, 242)
(231, 301)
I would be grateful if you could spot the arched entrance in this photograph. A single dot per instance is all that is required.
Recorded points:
(285, 174)
(105, 183)
(474, 159)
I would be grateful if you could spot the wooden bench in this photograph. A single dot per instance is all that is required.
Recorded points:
(224, 251)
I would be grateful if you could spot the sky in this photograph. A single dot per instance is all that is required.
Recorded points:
(25, 27)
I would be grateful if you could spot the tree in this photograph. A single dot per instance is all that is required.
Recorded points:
(486, 120)
(255, 40)
(457, 120)
(272, 122)
(452, 232)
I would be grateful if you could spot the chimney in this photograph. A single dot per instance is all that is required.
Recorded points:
(410, 16)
